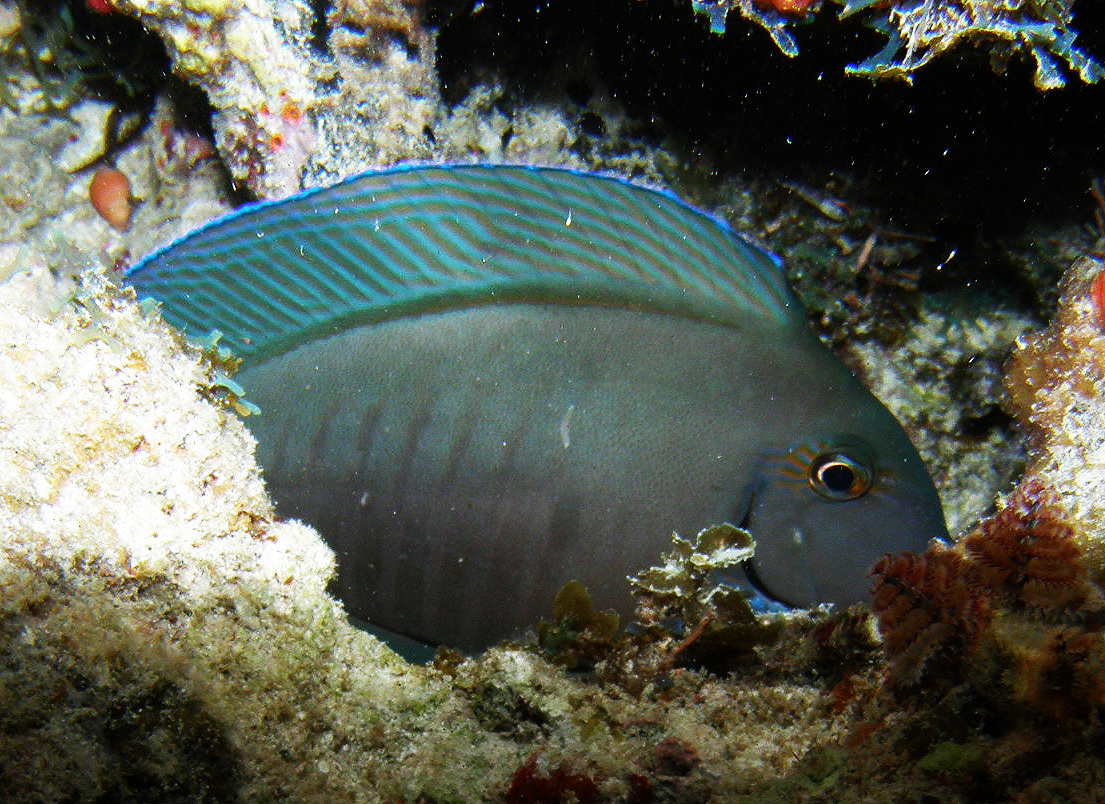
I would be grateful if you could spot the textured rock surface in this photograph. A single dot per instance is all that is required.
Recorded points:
(1056, 383)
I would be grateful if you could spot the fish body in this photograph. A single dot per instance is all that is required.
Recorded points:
(479, 383)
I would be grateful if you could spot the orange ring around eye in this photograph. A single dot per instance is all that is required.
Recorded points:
(836, 476)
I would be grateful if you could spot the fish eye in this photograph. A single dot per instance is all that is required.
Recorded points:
(836, 476)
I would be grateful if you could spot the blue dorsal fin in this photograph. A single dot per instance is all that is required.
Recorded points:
(416, 239)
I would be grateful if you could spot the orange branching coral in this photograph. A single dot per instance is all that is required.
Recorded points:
(929, 610)
(1027, 558)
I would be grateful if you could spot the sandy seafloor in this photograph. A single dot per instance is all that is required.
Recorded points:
(167, 638)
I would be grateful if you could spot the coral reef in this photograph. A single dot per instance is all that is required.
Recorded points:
(944, 383)
(1019, 572)
(918, 31)
(929, 614)
(214, 667)
(1025, 583)
(46, 210)
(165, 639)
(773, 16)
(1056, 387)
(254, 63)
(1004, 628)
(1007, 624)
(1027, 558)
(168, 638)
(288, 114)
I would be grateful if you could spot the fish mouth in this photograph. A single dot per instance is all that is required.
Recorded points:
(748, 566)
(757, 583)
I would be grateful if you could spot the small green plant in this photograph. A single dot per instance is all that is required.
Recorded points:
(223, 388)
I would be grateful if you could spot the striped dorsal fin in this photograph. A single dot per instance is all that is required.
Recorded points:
(411, 240)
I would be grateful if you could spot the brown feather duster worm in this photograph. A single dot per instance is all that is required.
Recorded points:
(1027, 558)
(1013, 594)
(929, 611)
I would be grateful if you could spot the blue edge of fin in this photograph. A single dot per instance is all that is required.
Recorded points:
(407, 167)
(265, 280)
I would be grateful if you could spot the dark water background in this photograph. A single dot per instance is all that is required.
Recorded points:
(963, 153)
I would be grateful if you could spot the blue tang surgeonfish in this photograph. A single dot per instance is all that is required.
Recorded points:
(481, 382)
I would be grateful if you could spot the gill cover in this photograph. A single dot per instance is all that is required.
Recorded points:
(823, 510)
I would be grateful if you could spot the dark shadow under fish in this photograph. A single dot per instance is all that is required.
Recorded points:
(481, 382)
